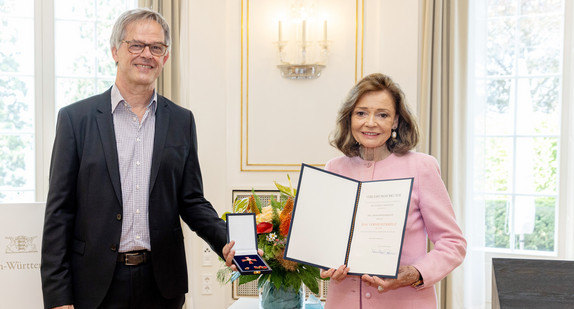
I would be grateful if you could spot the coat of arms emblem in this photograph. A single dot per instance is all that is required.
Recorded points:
(21, 244)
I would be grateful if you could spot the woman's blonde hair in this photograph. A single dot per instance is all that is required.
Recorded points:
(407, 129)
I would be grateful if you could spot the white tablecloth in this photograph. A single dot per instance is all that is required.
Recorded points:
(246, 303)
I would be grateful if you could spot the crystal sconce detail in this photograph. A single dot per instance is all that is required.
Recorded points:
(302, 43)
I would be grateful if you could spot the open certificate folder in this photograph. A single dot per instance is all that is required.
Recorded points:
(338, 220)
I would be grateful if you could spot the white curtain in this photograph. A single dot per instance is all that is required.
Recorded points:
(443, 110)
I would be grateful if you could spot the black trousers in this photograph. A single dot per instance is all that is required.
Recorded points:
(134, 287)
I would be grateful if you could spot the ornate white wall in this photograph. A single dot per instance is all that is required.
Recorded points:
(289, 121)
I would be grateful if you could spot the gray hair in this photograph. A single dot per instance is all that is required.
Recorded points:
(128, 17)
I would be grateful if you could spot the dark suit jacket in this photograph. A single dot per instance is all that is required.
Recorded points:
(84, 206)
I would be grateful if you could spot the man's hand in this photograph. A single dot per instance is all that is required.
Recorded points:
(65, 307)
(229, 253)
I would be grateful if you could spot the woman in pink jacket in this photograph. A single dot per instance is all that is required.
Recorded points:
(377, 132)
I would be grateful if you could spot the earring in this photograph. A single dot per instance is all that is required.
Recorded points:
(394, 134)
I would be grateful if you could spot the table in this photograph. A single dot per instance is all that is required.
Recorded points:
(529, 283)
(246, 303)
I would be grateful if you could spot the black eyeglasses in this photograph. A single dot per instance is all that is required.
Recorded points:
(156, 49)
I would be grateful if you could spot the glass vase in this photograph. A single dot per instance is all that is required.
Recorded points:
(271, 297)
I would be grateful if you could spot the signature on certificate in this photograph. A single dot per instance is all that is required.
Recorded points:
(383, 251)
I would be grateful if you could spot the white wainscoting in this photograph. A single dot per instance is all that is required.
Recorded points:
(20, 245)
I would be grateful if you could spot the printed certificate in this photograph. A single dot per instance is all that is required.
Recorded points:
(338, 220)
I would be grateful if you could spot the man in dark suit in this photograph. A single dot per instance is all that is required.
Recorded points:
(124, 170)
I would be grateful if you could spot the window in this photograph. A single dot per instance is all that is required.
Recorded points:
(17, 163)
(43, 70)
(515, 125)
(84, 65)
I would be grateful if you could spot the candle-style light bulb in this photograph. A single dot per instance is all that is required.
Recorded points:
(303, 26)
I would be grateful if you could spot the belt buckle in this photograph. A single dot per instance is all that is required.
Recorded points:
(127, 256)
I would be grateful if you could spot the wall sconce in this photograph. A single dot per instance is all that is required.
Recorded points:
(303, 47)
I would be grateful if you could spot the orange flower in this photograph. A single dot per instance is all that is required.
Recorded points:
(284, 226)
(252, 206)
(287, 209)
(285, 217)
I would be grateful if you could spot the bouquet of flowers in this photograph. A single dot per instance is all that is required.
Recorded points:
(273, 223)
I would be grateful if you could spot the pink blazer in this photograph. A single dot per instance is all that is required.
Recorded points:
(430, 215)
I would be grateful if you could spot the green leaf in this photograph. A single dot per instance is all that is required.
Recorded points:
(224, 275)
(277, 205)
(257, 200)
(292, 280)
(247, 278)
(277, 280)
(224, 215)
(313, 285)
(309, 276)
(240, 205)
(289, 191)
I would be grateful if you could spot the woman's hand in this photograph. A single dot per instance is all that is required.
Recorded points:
(407, 275)
(335, 274)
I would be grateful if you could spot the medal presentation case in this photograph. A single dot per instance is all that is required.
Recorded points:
(242, 229)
